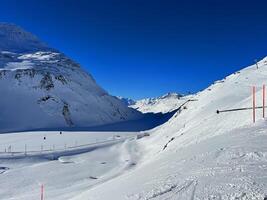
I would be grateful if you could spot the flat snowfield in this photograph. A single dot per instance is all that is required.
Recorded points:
(66, 164)
(55, 140)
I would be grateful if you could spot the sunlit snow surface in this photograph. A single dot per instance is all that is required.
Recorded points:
(197, 154)
(164, 104)
(71, 160)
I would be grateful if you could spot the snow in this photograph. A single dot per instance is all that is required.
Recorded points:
(164, 104)
(197, 154)
(62, 169)
(45, 56)
(18, 65)
(44, 89)
(54, 140)
(208, 156)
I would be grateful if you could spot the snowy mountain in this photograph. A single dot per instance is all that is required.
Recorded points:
(43, 88)
(15, 39)
(127, 101)
(163, 104)
(199, 154)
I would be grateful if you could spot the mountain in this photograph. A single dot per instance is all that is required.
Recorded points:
(199, 154)
(127, 101)
(163, 104)
(42, 88)
(15, 39)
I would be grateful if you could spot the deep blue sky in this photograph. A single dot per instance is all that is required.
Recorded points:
(142, 48)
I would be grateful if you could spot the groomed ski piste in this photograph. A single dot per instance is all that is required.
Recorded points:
(198, 154)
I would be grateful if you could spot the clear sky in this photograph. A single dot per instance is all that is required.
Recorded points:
(143, 48)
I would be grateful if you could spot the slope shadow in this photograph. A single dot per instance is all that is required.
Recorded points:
(146, 122)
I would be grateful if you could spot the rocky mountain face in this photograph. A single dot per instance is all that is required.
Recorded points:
(42, 88)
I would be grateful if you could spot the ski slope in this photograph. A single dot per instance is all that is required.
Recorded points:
(199, 154)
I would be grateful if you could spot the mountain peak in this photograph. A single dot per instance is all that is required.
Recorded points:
(15, 39)
(171, 94)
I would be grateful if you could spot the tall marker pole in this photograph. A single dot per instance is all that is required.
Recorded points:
(42, 192)
(263, 101)
(254, 102)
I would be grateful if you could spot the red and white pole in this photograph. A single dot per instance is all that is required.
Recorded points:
(42, 192)
(263, 101)
(254, 102)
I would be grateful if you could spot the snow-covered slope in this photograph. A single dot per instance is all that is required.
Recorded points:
(200, 154)
(43, 88)
(163, 104)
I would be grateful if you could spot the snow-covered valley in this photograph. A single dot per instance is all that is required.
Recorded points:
(194, 153)
(197, 154)
(64, 163)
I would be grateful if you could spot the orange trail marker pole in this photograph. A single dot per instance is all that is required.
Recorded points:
(263, 101)
(42, 192)
(254, 102)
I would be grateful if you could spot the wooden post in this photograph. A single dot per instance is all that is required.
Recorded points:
(263, 101)
(254, 102)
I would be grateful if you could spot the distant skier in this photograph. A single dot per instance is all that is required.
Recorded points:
(60, 133)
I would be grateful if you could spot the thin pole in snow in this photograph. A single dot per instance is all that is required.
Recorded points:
(263, 101)
(42, 192)
(254, 102)
(256, 61)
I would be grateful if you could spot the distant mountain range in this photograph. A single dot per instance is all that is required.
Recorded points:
(163, 104)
